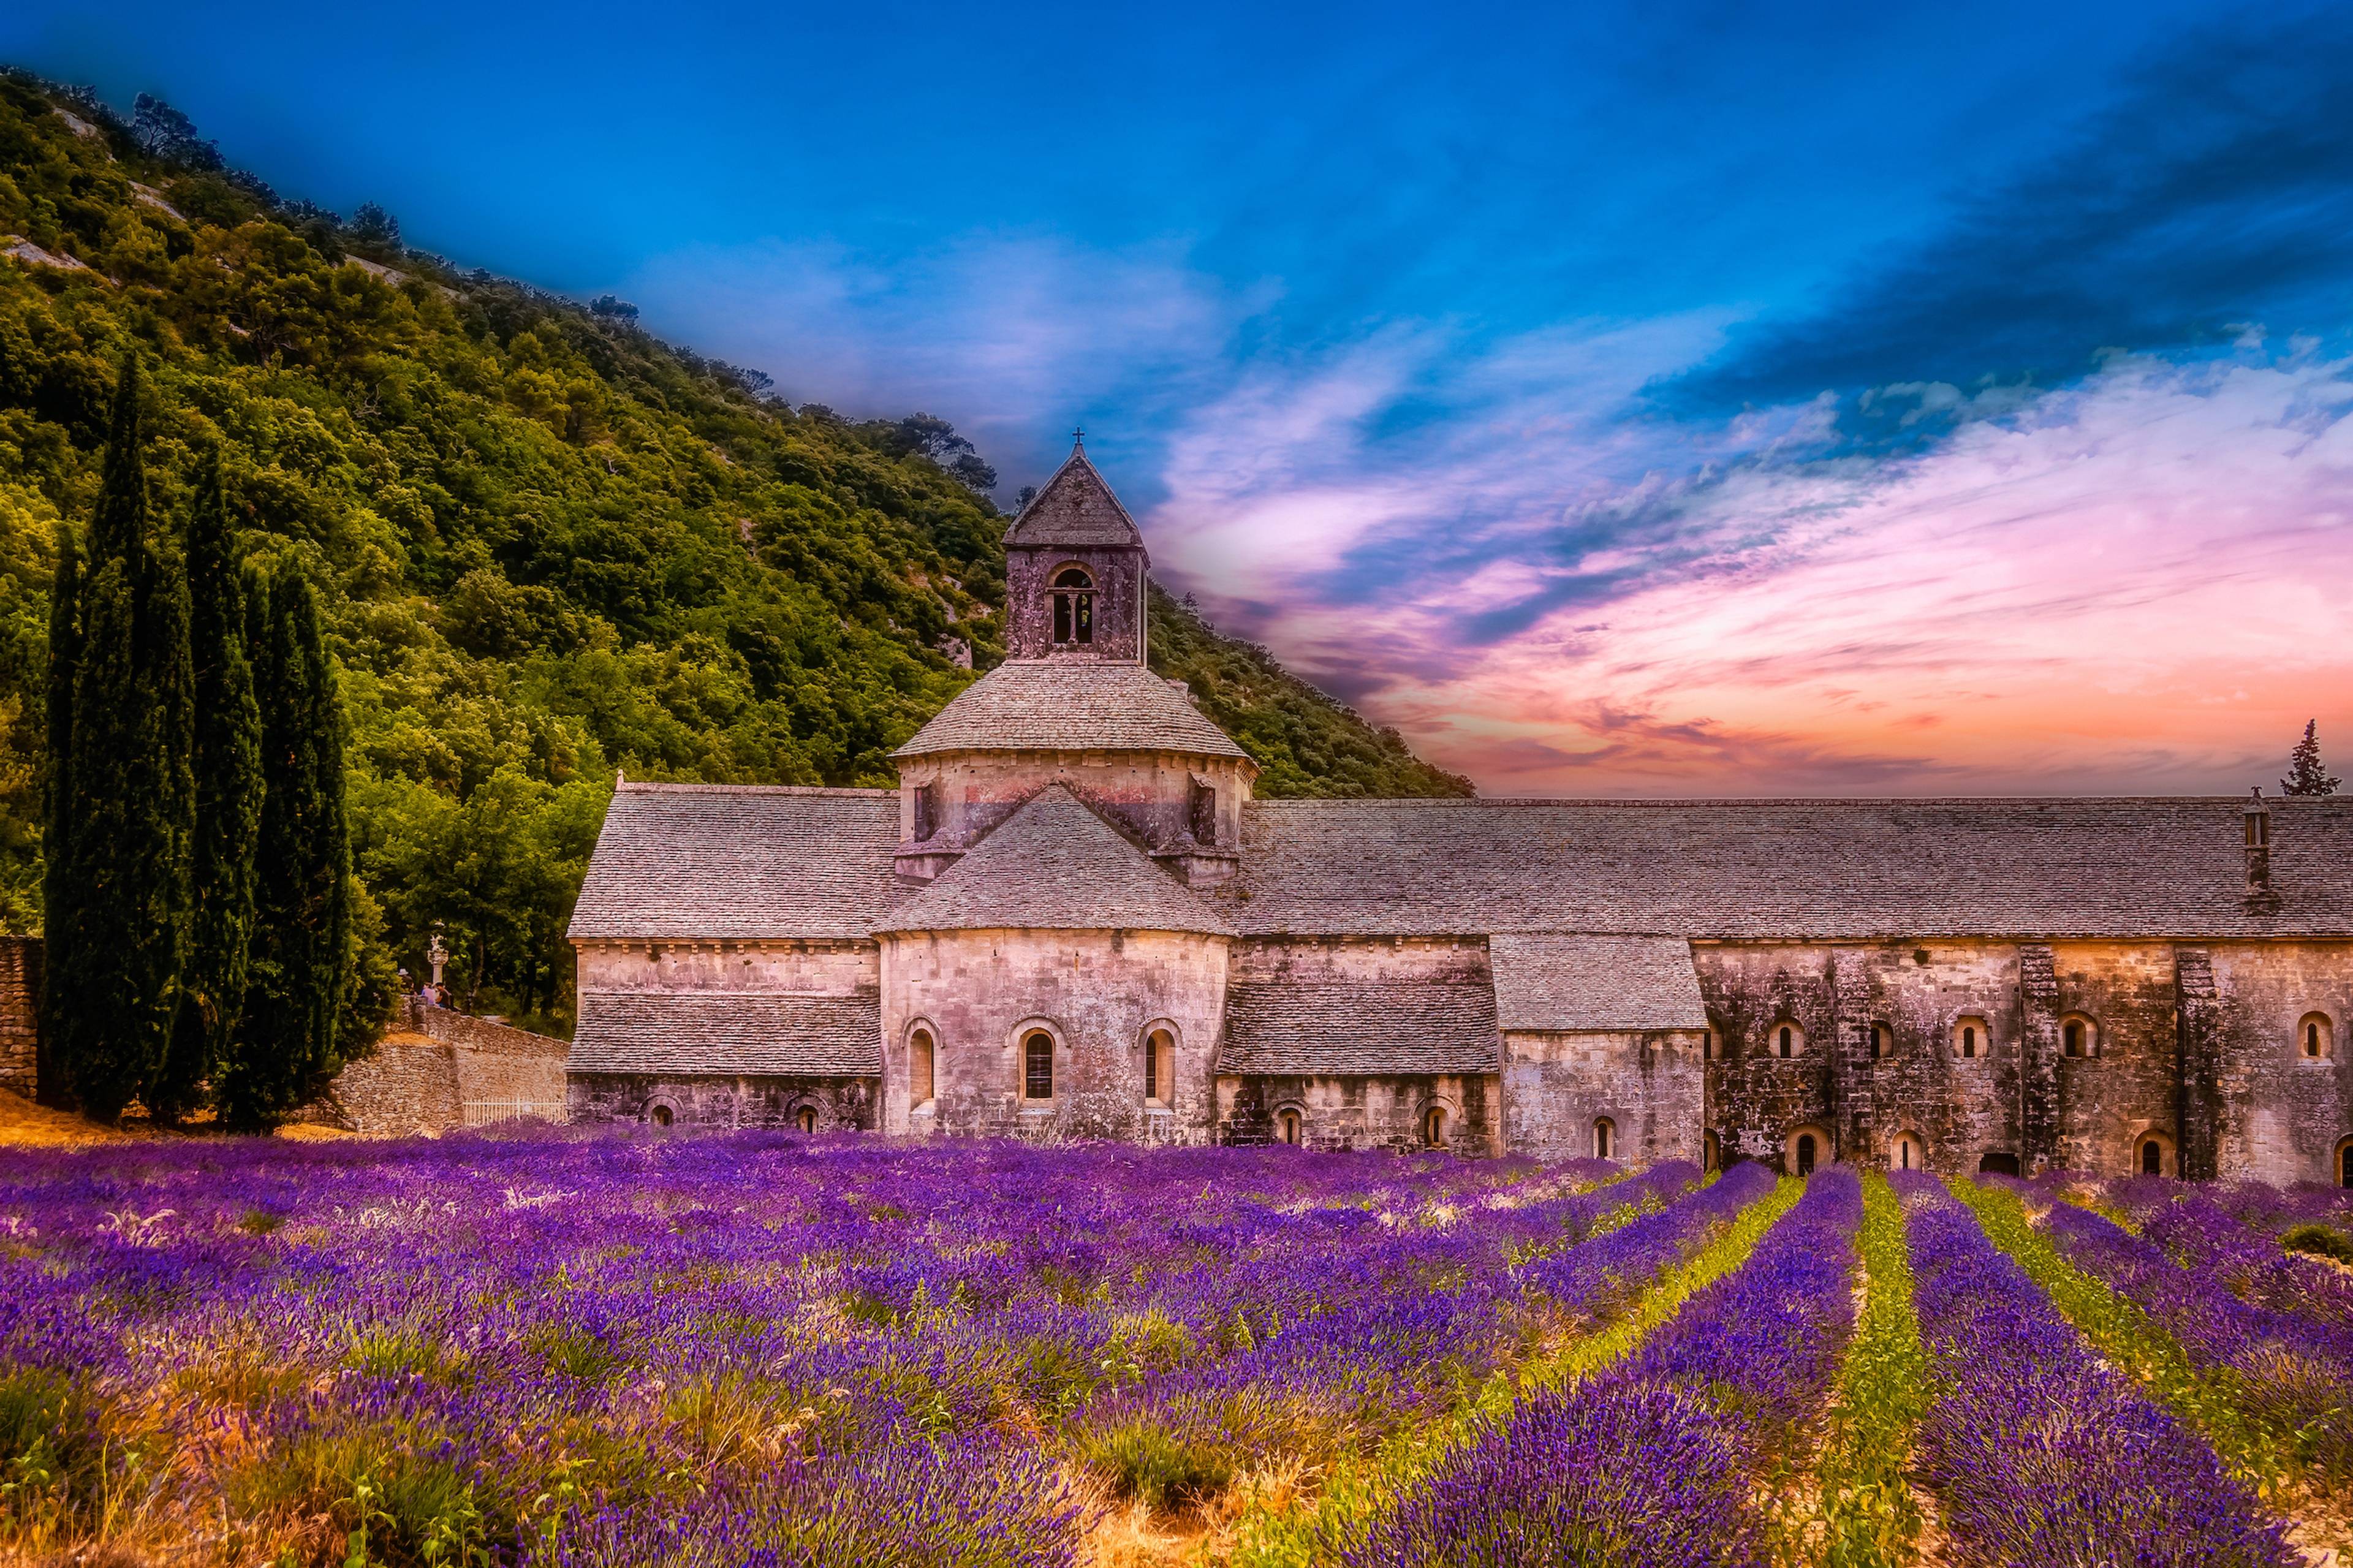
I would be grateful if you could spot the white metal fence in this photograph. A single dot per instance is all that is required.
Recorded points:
(483, 1112)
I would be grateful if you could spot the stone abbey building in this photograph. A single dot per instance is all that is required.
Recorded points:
(1072, 919)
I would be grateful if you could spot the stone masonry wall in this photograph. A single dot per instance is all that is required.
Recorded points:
(2282, 1115)
(1363, 1111)
(20, 1013)
(1098, 994)
(1652, 1087)
(841, 1104)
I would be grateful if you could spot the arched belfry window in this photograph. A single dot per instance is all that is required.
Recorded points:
(1074, 606)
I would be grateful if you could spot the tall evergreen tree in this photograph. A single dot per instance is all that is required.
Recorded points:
(228, 785)
(58, 880)
(2305, 772)
(114, 969)
(286, 1048)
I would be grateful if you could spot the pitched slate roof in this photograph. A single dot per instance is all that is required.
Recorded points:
(730, 861)
(1568, 983)
(1074, 508)
(1788, 868)
(728, 1032)
(1074, 706)
(1349, 1027)
(1054, 864)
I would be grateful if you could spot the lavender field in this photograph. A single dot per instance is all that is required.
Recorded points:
(558, 1350)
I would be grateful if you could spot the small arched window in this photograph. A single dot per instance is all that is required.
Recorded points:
(1287, 1126)
(1787, 1039)
(1038, 1066)
(1160, 1068)
(1074, 606)
(1971, 1038)
(1604, 1138)
(1433, 1127)
(661, 1116)
(1904, 1153)
(2315, 1038)
(1883, 1040)
(2079, 1036)
(920, 1068)
(2152, 1157)
(805, 1119)
(1805, 1154)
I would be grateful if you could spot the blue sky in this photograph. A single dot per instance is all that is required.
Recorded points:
(1646, 398)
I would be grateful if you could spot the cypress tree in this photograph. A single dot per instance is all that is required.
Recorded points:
(114, 967)
(227, 767)
(58, 880)
(285, 1049)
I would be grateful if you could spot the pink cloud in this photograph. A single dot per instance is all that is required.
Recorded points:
(2144, 583)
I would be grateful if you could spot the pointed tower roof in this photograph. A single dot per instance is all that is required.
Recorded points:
(1054, 864)
(1075, 508)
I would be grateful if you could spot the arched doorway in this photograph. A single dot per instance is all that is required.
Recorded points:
(805, 1119)
(660, 1115)
(1288, 1125)
(1433, 1127)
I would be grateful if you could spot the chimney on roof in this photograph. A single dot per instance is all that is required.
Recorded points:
(2261, 900)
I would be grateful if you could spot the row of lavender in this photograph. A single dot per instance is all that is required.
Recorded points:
(2033, 1447)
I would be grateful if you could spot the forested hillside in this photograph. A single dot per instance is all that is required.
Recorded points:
(551, 546)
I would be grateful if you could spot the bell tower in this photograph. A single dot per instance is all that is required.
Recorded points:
(1074, 571)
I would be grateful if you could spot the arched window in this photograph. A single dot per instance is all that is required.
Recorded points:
(1074, 606)
(1805, 1154)
(2152, 1157)
(1787, 1039)
(1998, 1163)
(2345, 1164)
(1604, 1138)
(1287, 1126)
(1160, 1068)
(1883, 1040)
(919, 1069)
(1904, 1153)
(805, 1119)
(1971, 1038)
(2079, 1036)
(1038, 1066)
(662, 1115)
(2316, 1037)
(1433, 1127)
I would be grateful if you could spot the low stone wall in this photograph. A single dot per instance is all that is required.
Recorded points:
(446, 1070)
(1362, 1112)
(20, 1013)
(833, 1104)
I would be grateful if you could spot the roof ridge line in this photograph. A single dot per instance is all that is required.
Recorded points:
(647, 786)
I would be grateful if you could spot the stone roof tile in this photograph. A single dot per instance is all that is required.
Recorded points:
(786, 1034)
(1571, 982)
(1786, 869)
(1079, 705)
(1360, 1027)
(1054, 864)
(1075, 507)
(721, 861)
